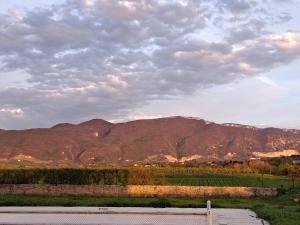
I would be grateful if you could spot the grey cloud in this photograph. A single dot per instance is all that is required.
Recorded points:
(284, 17)
(100, 58)
(236, 6)
(243, 34)
(249, 30)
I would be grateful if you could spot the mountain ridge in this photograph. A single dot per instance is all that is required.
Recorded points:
(167, 140)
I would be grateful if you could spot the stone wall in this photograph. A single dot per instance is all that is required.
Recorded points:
(133, 190)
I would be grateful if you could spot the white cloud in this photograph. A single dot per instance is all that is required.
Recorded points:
(287, 40)
(18, 113)
(136, 116)
(270, 82)
(100, 58)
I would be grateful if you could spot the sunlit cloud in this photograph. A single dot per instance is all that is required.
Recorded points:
(18, 113)
(270, 82)
(100, 58)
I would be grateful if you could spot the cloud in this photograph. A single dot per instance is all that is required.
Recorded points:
(289, 40)
(136, 116)
(100, 58)
(14, 112)
(270, 82)
(236, 6)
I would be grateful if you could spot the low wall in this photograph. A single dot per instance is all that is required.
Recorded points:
(133, 190)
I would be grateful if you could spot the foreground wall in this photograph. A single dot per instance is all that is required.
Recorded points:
(133, 190)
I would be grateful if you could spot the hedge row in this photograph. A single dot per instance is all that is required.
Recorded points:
(64, 176)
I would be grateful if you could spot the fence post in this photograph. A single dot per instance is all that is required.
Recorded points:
(209, 213)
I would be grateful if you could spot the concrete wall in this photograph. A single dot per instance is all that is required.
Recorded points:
(133, 190)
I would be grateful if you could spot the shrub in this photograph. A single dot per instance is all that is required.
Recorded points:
(64, 176)
(161, 203)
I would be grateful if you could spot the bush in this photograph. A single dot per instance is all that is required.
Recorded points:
(64, 176)
(281, 191)
(161, 203)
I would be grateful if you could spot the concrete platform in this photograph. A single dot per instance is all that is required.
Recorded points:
(124, 216)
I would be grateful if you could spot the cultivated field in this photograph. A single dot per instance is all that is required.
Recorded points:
(247, 180)
(200, 177)
(143, 176)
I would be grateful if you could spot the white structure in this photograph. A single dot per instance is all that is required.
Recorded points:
(209, 213)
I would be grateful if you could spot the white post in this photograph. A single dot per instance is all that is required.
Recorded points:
(209, 213)
(208, 207)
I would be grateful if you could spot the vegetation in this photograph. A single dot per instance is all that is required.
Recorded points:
(280, 210)
(64, 176)
(209, 176)
(283, 209)
(144, 176)
(276, 172)
(245, 180)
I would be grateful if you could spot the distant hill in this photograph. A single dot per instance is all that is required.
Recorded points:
(171, 139)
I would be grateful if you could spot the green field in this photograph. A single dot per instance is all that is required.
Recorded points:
(142, 176)
(198, 177)
(246, 180)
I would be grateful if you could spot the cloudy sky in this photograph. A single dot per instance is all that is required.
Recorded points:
(221, 60)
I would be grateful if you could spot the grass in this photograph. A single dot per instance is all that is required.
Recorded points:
(279, 210)
(141, 176)
(247, 180)
(199, 177)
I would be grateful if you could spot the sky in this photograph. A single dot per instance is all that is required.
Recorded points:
(227, 61)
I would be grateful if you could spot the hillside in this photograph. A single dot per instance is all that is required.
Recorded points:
(172, 139)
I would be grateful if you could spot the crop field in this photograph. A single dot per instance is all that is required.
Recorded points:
(196, 177)
(229, 180)
(143, 176)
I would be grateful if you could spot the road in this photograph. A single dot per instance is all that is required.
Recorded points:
(123, 216)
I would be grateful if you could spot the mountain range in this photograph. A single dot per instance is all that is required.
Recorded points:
(169, 140)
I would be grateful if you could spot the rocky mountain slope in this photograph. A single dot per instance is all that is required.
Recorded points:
(172, 139)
